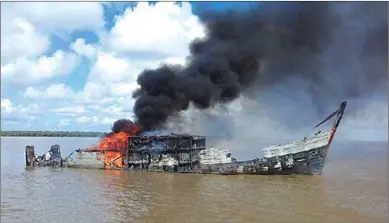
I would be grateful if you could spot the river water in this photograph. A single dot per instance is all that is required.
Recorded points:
(353, 188)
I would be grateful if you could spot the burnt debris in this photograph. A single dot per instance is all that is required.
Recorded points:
(50, 158)
(174, 153)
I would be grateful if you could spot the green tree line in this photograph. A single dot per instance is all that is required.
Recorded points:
(52, 134)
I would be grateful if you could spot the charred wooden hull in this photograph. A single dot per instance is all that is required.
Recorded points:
(220, 168)
(52, 158)
(309, 162)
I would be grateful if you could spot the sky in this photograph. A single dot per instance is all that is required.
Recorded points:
(73, 66)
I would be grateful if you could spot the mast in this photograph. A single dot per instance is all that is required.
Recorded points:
(339, 114)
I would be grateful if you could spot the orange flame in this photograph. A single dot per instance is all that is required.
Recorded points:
(116, 143)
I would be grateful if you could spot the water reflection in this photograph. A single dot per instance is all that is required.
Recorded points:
(159, 197)
(126, 195)
(140, 195)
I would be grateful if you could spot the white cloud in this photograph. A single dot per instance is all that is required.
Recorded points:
(113, 109)
(26, 71)
(174, 60)
(70, 110)
(55, 91)
(17, 39)
(26, 27)
(55, 17)
(122, 89)
(18, 114)
(6, 105)
(29, 109)
(25, 36)
(164, 28)
(108, 121)
(86, 119)
(83, 49)
(64, 17)
(65, 122)
(109, 68)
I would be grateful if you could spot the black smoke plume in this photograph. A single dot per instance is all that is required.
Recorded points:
(125, 125)
(245, 51)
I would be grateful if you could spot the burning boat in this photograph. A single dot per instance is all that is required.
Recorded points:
(188, 154)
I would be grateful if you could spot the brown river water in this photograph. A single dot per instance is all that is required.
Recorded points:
(353, 188)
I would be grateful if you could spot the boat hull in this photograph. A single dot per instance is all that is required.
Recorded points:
(220, 168)
(310, 162)
(87, 160)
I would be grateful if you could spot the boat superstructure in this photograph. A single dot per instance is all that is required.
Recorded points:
(173, 153)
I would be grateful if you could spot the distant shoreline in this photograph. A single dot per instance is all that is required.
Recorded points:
(51, 134)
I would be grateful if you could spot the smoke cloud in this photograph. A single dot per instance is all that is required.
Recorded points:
(314, 54)
(125, 125)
